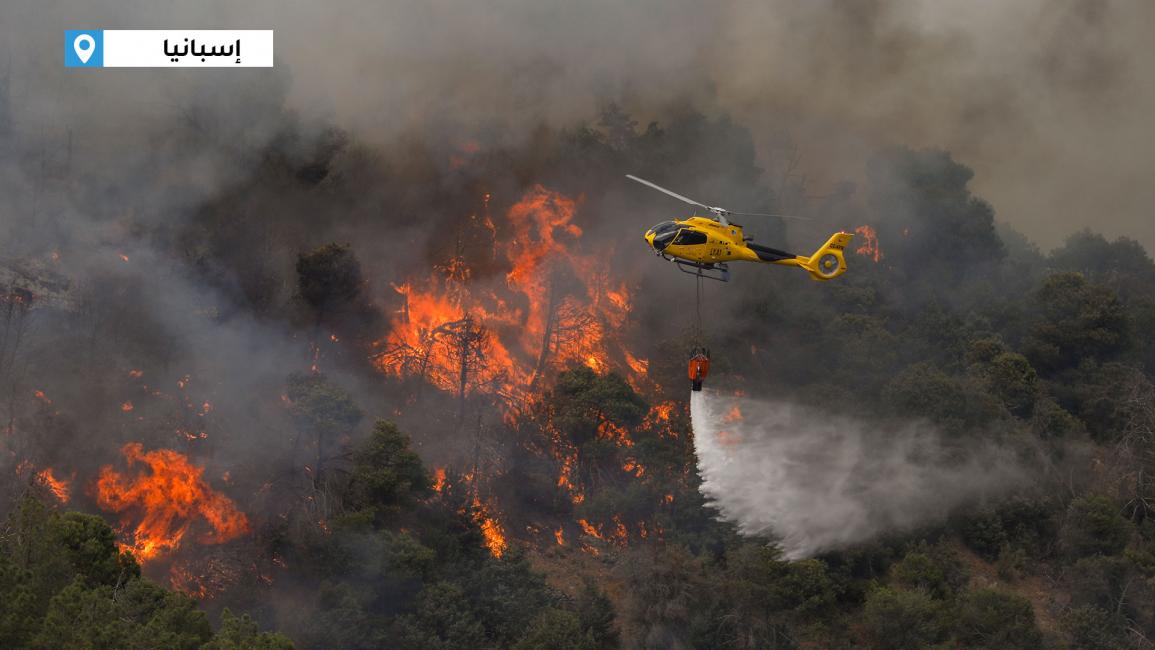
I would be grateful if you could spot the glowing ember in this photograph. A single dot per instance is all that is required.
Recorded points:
(60, 488)
(621, 535)
(632, 466)
(869, 246)
(187, 583)
(439, 479)
(165, 502)
(609, 431)
(126, 407)
(42, 397)
(559, 535)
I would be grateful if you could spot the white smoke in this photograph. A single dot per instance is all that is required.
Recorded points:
(816, 482)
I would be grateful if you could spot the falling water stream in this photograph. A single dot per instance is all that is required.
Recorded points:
(815, 481)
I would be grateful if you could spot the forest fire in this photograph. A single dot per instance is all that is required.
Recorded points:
(554, 308)
(503, 321)
(165, 502)
(869, 247)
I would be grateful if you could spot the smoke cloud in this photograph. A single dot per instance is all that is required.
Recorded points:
(1048, 101)
(817, 482)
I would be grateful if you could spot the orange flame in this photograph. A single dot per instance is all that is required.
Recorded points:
(590, 529)
(555, 308)
(869, 246)
(60, 488)
(491, 529)
(439, 479)
(167, 500)
(632, 466)
(609, 431)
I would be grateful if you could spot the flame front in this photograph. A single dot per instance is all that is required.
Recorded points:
(491, 528)
(164, 502)
(502, 318)
(555, 308)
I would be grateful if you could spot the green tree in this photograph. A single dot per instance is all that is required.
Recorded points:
(936, 572)
(937, 231)
(1094, 526)
(242, 633)
(1012, 380)
(925, 391)
(386, 473)
(988, 618)
(595, 614)
(443, 620)
(323, 412)
(1104, 582)
(1091, 628)
(556, 629)
(19, 610)
(582, 400)
(328, 278)
(1075, 321)
(139, 614)
(1122, 264)
(902, 620)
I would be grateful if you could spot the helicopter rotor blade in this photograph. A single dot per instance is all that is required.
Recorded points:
(761, 214)
(671, 193)
(716, 210)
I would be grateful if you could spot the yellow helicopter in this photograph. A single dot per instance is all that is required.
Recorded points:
(702, 246)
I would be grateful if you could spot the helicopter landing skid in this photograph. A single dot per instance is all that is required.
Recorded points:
(713, 271)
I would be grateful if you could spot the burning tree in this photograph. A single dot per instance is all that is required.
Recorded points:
(554, 308)
(325, 415)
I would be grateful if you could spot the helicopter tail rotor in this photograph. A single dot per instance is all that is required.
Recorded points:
(829, 262)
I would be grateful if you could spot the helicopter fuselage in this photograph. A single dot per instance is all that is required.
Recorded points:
(702, 240)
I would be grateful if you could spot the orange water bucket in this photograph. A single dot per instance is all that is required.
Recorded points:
(698, 369)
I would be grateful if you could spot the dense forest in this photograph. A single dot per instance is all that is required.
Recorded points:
(488, 481)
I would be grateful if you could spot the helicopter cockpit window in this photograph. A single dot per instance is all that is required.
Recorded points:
(663, 233)
(689, 237)
(664, 227)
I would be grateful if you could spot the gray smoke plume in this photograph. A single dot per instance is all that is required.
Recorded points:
(817, 482)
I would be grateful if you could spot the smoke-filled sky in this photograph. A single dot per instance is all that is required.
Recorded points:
(1049, 101)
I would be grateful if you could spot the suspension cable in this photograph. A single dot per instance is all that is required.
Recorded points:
(698, 312)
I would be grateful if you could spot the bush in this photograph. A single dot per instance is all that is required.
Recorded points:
(1094, 527)
(903, 619)
(988, 618)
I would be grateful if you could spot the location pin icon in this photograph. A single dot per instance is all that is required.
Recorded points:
(84, 46)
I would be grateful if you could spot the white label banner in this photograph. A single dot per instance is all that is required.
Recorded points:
(179, 48)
